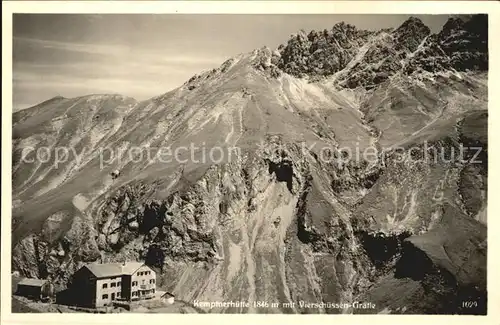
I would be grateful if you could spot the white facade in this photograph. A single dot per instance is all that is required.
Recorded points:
(143, 283)
(108, 290)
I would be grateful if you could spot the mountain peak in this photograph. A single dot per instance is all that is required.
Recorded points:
(411, 33)
(413, 21)
(344, 26)
(465, 40)
(321, 52)
(453, 22)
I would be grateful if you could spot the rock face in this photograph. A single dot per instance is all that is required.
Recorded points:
(460, 45)
(410, 34)
(321, 53)
(366, 59)
(340, 164)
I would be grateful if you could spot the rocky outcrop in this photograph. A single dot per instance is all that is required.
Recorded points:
(325, 53)
(58, 251)
(410, 34)
(440, 284)
(466, 42)
(321, 53)
(462, 45)
(366, 59)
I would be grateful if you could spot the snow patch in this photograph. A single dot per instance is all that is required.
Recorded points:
(80, 202)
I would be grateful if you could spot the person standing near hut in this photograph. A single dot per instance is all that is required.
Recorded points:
(48, 292)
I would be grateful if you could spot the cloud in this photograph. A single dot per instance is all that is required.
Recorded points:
(135, 72)
(140, 87)
(123, 68)
(72, 47)
(110, 84)
(120, 51)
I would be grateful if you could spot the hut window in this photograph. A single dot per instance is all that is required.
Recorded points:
(104, 296)
(105, 285)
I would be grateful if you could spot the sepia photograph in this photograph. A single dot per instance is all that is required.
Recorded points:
(249, 163)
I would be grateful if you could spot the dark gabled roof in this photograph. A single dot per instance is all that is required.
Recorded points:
(113, 269)
(32, 282)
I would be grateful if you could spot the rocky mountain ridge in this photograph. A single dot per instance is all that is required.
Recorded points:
(360, 58)
(287, 218)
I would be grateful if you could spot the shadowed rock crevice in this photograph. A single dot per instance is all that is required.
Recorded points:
(155, 256)
(382, 249)
(283, 170)
(449, 295)
(153, 217)
(305, 233)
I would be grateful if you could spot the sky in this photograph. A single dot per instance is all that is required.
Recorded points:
(145, 55)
